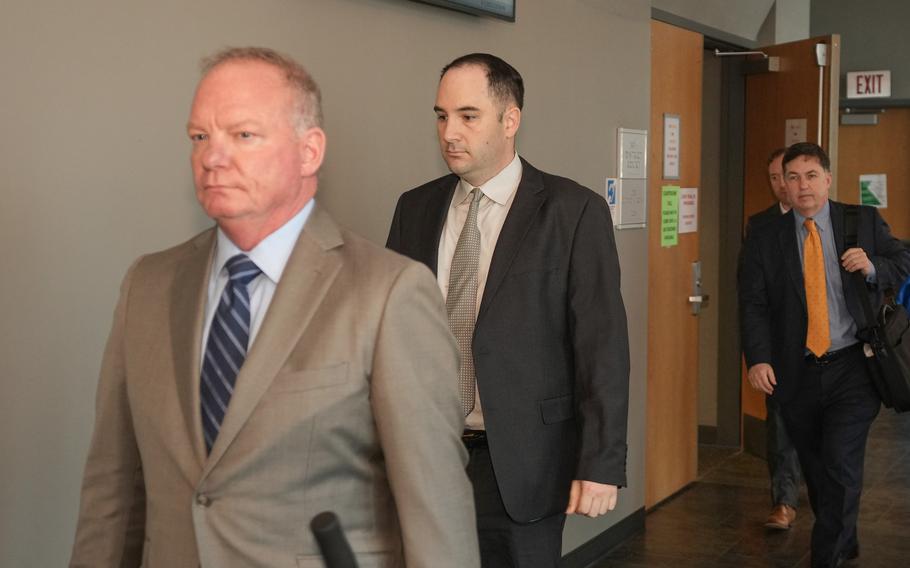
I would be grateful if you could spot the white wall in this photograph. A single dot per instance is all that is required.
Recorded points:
(94, 171)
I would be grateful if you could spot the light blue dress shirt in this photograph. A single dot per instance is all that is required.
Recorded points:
(271, 256)
(841, 326)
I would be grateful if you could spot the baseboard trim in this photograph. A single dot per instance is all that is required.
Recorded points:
(594, 551)
(754, 439)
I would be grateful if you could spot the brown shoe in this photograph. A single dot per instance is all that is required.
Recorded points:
(781, 517)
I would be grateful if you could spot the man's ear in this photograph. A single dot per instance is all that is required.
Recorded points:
(311, 146)
(511, 119)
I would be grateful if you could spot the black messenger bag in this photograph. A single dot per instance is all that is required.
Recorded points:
(887, 335)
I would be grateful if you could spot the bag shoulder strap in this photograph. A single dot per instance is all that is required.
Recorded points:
(851, 224)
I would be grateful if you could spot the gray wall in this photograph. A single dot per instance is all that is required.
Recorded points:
(873, 36)
(741, 18)
(94, 171)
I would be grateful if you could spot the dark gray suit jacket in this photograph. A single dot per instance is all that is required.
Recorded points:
(550, 345)
(772, 296)
(762, 217)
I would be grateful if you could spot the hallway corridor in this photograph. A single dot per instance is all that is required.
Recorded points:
(717, 521)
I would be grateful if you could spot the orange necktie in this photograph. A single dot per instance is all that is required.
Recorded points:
(818, 338)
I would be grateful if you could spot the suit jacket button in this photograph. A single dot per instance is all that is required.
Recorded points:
(203, 500)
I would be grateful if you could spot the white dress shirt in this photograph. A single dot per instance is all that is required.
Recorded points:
(498, 194)
(270, 255)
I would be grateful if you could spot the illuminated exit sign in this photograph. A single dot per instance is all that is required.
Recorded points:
(866, 84)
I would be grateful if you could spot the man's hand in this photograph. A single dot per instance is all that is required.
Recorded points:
(761, 377)
(856, 259)
(591, 498)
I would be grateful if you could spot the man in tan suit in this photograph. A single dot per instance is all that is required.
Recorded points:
(273, 367)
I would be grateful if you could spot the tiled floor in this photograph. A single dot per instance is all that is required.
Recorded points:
(717, 521)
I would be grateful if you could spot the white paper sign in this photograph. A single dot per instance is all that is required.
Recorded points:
(671, 146)
(688, 210)
(795, 131)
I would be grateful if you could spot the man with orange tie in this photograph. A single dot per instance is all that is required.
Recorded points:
(799, 318)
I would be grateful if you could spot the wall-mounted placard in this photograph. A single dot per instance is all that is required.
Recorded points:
(633, 153)
(671, 146)
(630, 189)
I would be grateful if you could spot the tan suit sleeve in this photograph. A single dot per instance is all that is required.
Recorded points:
(110, 529)
(418, 416)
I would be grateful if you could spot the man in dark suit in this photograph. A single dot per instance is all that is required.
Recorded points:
(799, 318)
(778, 185)
(545, 365)
(783, 463)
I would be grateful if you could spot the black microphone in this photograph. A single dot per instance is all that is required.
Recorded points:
(332, 543)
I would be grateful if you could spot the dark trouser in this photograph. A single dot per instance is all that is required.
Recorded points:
(783, 463)
(828, 420)
(503, 542)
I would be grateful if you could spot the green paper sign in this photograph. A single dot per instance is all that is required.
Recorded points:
(868, 198)
(669, 215)
(873, 190)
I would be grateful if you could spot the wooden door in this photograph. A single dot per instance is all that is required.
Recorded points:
(671, 459)
(773, 98)
(881, 148)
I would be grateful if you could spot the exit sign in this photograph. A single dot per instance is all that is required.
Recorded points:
(866, 84)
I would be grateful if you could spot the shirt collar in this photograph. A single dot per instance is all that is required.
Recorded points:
(499, 188)
(272, 253)
(822, 218)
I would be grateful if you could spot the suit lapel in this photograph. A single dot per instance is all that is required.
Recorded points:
(309, 274)
(186, 317)
(790, 249)
(433, 222)
(528, 199)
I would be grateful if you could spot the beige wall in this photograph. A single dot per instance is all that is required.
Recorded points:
(94, 171)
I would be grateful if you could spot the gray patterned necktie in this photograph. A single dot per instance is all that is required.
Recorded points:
(461, 300)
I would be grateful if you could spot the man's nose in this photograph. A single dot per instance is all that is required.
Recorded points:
(215, 154)
(450, 132)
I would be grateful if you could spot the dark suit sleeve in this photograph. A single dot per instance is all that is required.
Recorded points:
(393, 242)
(601, 347)
(754, 317)
(748, 228)
(890, 257)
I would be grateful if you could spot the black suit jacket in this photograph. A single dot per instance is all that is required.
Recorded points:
(762, 218)
(550, 344)
(772, 295)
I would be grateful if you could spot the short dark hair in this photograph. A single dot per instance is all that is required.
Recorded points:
(807, 150)
(776, 153)
(505, 82)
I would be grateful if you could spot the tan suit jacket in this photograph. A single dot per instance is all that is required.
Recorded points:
(346, 402)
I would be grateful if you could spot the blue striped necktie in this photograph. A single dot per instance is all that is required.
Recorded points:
(226, 347)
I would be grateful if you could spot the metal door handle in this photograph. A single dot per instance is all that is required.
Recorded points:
(703, 299)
